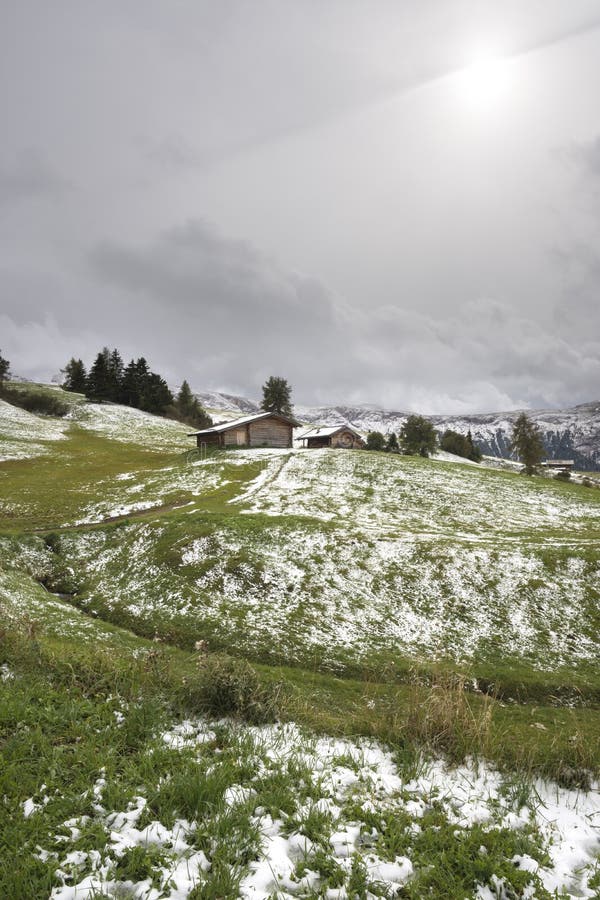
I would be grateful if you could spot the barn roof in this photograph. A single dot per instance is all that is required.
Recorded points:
(328, 431)
(558, 462)
(244, 420)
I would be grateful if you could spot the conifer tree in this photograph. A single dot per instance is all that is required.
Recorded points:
(75, 376)
(115, 375)
(98, 385)
(4, 371)
(277, 396)
(391, 445)
(526, 442)
(155, 396)
(130, 390)
(417, 436)
(460, 445)
(185, 400)
(375, 441)
(474, 450)
(189, 410)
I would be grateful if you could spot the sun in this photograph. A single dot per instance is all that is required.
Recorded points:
(484, 83)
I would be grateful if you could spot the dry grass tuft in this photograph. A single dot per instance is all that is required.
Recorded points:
(447, 719)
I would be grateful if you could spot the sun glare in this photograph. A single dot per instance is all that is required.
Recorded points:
(485, 81)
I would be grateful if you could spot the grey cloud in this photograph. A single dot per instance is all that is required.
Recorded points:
(587, 154)
(408, 212)
(233, 312)
(238, 316)
(27, 176)
(225, 283)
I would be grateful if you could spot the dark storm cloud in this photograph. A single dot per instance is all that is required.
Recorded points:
(220, 302)
(240, 316)
(28, 175)
(224, 283)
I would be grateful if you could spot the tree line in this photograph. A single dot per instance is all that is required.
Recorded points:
(418, 437)
(134, 384)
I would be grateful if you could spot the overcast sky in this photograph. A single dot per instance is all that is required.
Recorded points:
(387, 202)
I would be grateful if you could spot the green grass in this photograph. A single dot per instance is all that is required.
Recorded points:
(71, 715)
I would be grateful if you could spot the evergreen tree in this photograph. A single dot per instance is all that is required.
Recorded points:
(391, 444)
(155, 396)
(526, 442)
(75, 376)
(460, 445)
(134, 382)
(98, 385)
(375, 441)
(185, 400)
(130, 388)
(474, 450)
(417, 436)
(277, 396)
(189, 410)
(115, 375)
(4, 371)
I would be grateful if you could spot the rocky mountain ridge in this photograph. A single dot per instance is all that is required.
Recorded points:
(572, 433)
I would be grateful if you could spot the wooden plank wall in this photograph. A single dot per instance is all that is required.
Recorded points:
(210, 439)
(270, 433)
(236, 436)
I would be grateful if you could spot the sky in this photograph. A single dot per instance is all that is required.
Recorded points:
(393, 202)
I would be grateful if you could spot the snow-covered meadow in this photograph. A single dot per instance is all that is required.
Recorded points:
(22, 431)
(129, 425)
(359, 554)
(323, 817)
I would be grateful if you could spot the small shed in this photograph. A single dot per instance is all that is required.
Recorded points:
(264, 429)
(342, 436)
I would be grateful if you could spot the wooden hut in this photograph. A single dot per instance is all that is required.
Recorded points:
(342, 436)
(261, 430)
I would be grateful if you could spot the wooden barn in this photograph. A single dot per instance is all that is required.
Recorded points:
(342, 436)
(261, 430)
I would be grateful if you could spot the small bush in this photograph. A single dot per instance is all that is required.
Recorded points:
(35, 401)
(231, 687)
(562, 475)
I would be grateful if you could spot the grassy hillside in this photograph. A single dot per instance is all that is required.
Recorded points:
(346, 562)
(423, 603)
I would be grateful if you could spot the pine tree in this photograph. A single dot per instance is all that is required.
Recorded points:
(375, 441)
(134, 382)
(155, 395)
(391, 445)
(115, 375)
(526, 442)
(4, 371)
(98, 385)
(277, 396)
(474, 450)
(130, 392)
(185, 400)
(189, 410)
(75, 376)
(417, 436)
(460, 445)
